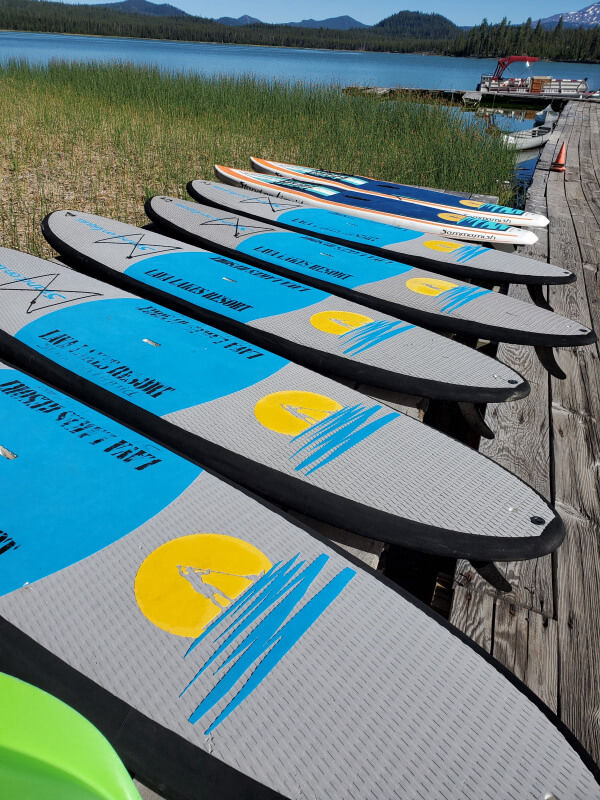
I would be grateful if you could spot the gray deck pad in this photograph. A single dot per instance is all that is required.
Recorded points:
(430, 198)
(225, 651)
(303, 323)
(290, 434)
(471, 261)
(381, 209)
(415, 295)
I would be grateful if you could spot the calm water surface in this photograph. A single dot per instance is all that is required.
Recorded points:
(311, 66)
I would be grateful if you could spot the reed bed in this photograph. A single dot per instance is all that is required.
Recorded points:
(103, 138)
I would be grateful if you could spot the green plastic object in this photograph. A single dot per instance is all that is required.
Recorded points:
(48, 751)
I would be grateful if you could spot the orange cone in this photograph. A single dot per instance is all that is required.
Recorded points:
(559, 164)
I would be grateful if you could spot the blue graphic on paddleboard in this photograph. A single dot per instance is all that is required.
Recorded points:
(333, 223)
(453, 299)
(329, 438)
(468, 252)
(309, 256)
(370, 335)
(112, 480)
(224, 285)
(143, 353)
(258, 648)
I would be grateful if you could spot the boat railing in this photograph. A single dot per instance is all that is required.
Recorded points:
(535, 85)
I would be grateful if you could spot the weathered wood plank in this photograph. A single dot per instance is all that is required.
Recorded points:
(578, 578)
(473, 614)
(410, 405)
(591, 276)
(368, 551)
(527, 644)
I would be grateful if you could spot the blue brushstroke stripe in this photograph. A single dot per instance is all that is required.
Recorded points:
(282, 581)
(371, 334)
(274, 635)
(256, 588)
(480, 222)
(515, 212)
(468, 252)
(459, 296)
(331, 437)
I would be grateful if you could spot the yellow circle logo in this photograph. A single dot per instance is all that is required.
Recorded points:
(338, 322)
(451, 217)
(471, 203)
(293, 412)
(442, 246)
(430, 286)
(185, 583)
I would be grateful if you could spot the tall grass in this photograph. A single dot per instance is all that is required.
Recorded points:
(103, 138)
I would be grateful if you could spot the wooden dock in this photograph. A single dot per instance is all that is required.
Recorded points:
(525, 100)
(547, 629)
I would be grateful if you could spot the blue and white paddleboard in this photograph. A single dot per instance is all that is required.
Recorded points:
(460, 259)
(296, 437)
(428, 198)
(392, 210)
(226, 652)
(306, 324)
(420, 297)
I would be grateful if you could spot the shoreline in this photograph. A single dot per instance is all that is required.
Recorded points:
(272, 46)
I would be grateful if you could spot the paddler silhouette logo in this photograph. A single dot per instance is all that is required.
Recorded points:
(243, 612)
(322, 428)
(451, 296)
(184, 584)
(357, 332)
(461, 252)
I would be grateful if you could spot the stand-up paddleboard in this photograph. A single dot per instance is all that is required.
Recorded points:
(410, 293)
(49, 751)
(227, 652)
(469, 261)
(293, 319)
(392, 210)
(292, 435)
(429, 198)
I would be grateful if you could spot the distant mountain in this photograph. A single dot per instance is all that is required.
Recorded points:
(344, 23)
(588, 17)
(418, 25)
(144, 7)
(245, 20)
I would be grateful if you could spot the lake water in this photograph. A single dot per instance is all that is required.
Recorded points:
(310, 66)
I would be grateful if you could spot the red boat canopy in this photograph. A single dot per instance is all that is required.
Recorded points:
(503, 63)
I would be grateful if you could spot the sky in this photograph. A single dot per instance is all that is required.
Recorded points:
(466, 12)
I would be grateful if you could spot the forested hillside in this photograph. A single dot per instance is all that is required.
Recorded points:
(557, 44)
(405, 32)
(40, 15)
